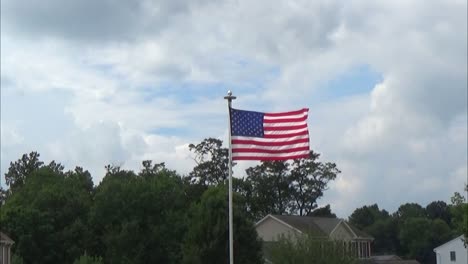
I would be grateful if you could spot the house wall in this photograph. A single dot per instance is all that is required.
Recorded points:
(360, 246)
(270, 230)
(341, 233)
(5, 256)
(443, 252)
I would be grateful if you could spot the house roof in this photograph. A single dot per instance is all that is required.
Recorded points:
(449, 242)
(309, 224)
(358, 232)
(4, 239)
(320, 226)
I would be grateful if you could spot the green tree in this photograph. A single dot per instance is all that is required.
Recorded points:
(270, 190)
(211, 169)
(367, 215)
(15, 259)
(308, 180)
(385, 234)
(323, 212)
(151, 170)
(459, 211)
(22, 168)
(440, 232)
(410, 210)
(419, 236)
(47, 216)
(139, 218)
(379, 225)
(212, 162)
(308, 249)
(207, 236)
(85, 259)
(273, 187)
(439, 210)
(415, 236)
(279, 187)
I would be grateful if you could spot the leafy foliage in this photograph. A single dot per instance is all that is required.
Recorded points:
(309, 179)
(139, 218)
(410, 210)
(207, 237)
(158, 216)
(270, 188)
(380, 225)
(415, 236)
(412, 231)
(20, 169)
(459, 211)
(49, 214)
(212, 162)
(308, 249)
(439, 210)
(85, 259)
(367, 216)
(280, 187)
(15, 259)
(323, 212)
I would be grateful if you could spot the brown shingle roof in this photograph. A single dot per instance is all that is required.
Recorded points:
(303, 223)
(4, 239)
(316, 225)
(358, 232)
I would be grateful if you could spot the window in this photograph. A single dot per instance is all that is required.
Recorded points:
(453, 256)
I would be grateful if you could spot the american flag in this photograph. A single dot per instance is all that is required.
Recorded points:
(269, 136)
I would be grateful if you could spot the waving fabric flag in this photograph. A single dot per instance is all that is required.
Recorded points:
(269, 136)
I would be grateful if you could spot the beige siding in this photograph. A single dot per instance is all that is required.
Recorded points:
(270, 230)
(341, 233)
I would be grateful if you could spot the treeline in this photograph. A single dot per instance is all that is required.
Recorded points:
(413, 231)
(154, 215)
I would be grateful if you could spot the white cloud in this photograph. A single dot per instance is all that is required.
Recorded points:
(143, 79)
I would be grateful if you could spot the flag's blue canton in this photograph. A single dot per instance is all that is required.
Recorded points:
(246, 123)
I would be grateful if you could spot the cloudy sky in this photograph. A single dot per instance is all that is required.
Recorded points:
(90, 83)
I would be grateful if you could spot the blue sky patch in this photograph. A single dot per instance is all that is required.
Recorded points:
(358, 80)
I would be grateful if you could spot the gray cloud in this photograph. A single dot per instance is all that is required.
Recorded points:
(404, 140)
(90, 20)
(73, 19)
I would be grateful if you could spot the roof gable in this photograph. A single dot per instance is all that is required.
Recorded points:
(320, 226)
(359, 233)
(5, 239)
(274, 218)
(453, 241)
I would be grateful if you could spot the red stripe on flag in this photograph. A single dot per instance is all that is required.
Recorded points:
(269, 151)
(302, 133)
(298, 112)
(270, 158)
(285, 120)
(285, 127)
(272, 143)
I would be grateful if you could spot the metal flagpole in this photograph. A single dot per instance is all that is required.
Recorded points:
(230, 97)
